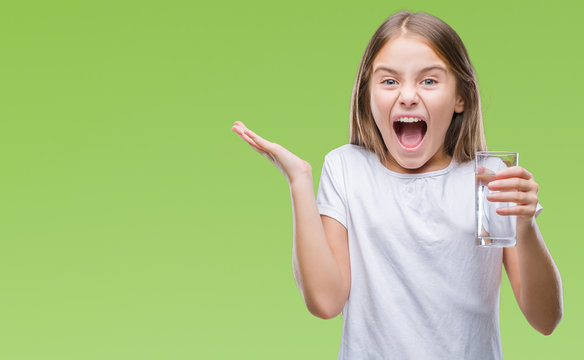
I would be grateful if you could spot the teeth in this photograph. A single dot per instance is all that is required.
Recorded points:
(408, 119)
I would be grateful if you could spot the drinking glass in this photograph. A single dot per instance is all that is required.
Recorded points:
(493, 230)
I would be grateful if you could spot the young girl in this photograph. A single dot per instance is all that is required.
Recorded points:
(389, 239)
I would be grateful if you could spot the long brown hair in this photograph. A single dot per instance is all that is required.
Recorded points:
(465, 134)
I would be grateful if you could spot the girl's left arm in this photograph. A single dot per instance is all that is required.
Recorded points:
(533, 275)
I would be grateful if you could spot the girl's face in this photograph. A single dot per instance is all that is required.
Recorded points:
(413, 99)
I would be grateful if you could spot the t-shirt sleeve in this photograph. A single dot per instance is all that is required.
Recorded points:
(490, 211)
(330, 198)
(538, 209)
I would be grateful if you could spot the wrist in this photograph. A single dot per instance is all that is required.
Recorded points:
(301, 179)
(525, 222)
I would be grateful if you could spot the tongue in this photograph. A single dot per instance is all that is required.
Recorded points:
(411, 134)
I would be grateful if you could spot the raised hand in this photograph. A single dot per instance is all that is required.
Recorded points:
(289, 164)
(516, 185)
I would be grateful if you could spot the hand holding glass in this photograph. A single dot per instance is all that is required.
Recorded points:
(492, 229)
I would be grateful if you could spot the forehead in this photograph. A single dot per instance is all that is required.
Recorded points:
(407, 53)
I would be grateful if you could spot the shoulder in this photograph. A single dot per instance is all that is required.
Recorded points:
(348, 152)
(461, 174)
(464, 167)
(352, 162)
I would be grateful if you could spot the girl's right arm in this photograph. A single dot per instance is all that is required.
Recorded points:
(320, 253)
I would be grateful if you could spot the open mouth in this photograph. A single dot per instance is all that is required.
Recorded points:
(410, 131)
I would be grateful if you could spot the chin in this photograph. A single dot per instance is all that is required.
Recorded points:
(411, 164)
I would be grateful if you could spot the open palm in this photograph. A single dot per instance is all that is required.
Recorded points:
(289, 164)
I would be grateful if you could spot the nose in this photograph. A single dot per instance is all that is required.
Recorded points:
(408, 96)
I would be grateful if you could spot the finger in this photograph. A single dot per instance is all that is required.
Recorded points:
(240, 124)
(252, 144)
(258, 139)
(240, 130)
(514, 171)
(484, 179)
(483, 170)
(259, 149)
(261, 145)
(237, 128)
(517, 197)
(515, 183)
(519, 210)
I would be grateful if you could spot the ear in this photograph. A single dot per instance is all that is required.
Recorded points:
(459, 105)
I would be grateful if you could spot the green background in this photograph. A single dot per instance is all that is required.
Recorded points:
(136, 225)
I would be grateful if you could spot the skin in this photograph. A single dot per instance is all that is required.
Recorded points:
(409, 89)
(533, 275)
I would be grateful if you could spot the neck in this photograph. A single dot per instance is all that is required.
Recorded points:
(439, 161)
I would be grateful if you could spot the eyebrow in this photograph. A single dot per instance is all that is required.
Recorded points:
(426, 69)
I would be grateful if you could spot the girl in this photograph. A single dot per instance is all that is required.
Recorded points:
(389, 239)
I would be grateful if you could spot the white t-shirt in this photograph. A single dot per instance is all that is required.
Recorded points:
(420, 286)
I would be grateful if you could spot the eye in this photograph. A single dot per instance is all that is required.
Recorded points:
(429, 81)
(389, 82)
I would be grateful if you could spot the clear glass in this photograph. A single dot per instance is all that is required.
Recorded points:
(493, 229)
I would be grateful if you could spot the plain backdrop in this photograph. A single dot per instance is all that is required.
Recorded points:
(136, 225)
